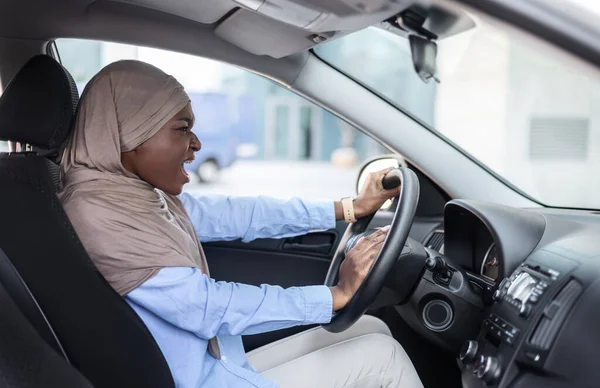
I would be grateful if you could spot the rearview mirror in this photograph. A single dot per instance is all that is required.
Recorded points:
(424, 56)
(378, 164)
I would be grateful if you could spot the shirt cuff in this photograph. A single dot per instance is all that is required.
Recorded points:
(318, 302)
(322, 215)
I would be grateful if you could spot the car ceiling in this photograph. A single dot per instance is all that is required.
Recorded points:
(275, 28)
(241, 32)
(252, 33)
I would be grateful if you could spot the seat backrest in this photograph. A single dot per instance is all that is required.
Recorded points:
(19, 292)
(26, 360)
(100, 333)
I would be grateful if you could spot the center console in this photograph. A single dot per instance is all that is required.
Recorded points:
(519, 329)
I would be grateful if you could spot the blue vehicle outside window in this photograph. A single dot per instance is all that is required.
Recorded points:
(219, 126)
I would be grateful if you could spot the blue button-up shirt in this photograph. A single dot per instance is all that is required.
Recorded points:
(183, 308)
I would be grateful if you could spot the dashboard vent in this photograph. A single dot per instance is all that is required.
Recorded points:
(436, 241)
(555, 314)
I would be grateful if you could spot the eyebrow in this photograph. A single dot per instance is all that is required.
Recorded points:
(188, 120)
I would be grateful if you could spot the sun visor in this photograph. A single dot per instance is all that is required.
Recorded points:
(326, 15)
(205, 11)
(278, 28)
(263, 36)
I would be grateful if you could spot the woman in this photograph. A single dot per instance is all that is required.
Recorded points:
(121, 175)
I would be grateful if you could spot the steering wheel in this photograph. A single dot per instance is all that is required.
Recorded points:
(387, 257)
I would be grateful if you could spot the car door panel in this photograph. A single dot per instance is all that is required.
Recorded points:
(294, 261)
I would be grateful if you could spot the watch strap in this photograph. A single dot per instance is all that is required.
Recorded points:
(348, 209)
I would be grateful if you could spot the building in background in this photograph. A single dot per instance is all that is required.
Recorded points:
(534, 118)
(291, 128)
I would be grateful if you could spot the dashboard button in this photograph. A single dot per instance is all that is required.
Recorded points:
(533, 357)
(534, 298)
(497, 295)
(553, 272)
(524, 310)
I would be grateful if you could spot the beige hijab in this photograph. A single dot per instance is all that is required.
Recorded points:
(129, 229)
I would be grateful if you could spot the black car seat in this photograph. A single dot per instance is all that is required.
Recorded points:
(26, 360)
(99, 332)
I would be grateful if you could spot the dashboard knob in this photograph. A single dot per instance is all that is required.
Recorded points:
(489, 369)
(498, 295)
(468, 351)
(524, 309)
(435, 263)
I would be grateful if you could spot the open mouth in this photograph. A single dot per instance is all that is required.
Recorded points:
(187, 161)
(183, 171)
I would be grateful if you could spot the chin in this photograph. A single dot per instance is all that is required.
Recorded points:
(173, 190)
(176, 192)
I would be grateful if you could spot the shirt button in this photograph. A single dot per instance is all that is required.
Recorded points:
(223, 358)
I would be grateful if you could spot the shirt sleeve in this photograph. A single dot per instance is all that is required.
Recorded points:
(223, 218)
(188, 299)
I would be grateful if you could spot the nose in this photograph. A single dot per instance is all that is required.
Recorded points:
(195, 143)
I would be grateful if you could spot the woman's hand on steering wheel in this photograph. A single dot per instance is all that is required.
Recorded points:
(373, 195)
(364, 284)
(356, 266)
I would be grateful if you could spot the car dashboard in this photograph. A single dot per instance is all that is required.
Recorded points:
(537, 272)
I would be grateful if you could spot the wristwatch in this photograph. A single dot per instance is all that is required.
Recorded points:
(348, 209)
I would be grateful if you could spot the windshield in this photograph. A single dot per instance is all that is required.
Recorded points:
(528, 116)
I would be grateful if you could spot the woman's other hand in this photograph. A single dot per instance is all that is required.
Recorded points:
(373, 195)
(356, 266)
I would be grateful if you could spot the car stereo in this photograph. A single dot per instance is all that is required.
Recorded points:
(508, 322)
(525, 287)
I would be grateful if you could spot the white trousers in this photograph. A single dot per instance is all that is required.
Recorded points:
(365, 355)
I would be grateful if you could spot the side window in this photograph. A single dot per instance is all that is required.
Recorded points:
(257, 137)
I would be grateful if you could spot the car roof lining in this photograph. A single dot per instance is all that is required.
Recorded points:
(218, 29)
(134, 25)
(272, 45)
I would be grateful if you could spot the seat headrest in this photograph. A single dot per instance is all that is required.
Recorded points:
(38, 105)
